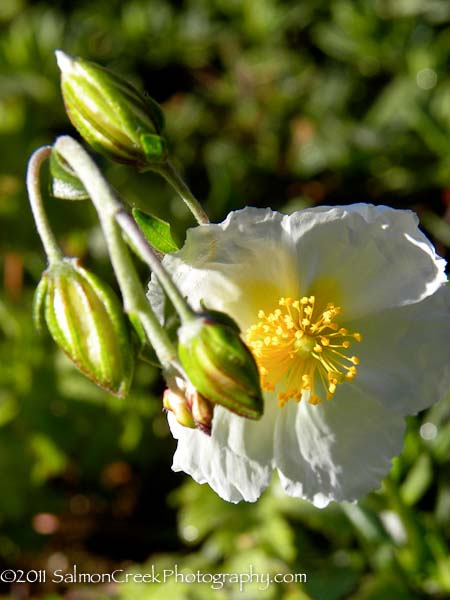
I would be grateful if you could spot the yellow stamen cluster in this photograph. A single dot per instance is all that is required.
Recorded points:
(294, 344)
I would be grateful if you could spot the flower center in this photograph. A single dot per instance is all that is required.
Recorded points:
(299, 347)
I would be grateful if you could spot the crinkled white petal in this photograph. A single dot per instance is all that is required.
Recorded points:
(405, 354)
(238, 266)
(364, 257)
(338, 450)
(236, 461)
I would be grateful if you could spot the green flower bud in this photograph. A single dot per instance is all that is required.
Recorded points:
(86, 320)
(219, 364)
(110, 114)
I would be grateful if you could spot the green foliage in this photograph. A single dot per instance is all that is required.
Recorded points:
(286, 104)
(156, 231)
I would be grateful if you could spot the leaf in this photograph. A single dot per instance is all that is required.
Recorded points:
(65, 185)
(156, 231)
(419, 479)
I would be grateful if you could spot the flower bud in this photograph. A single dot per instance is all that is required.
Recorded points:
(86, 320)
(179, 407)
(190, 408)
(202, 411)
(110, 114)
(219, 364)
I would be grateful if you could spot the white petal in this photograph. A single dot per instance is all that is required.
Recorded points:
(364, 258)
(244, 264)
(338, 450)
(405, 354)
(236, 461)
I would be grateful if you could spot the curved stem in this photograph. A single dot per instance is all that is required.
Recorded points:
(168, 171)
(148, 255)
(134, 298)
(107, 203)
(51, 247)
(112, 215)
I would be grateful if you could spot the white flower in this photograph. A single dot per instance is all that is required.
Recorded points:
(348, 315)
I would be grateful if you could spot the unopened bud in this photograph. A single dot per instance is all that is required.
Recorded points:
(190, 408)
(219, 364)
(86, 320)
(111, 114)
(179, 406)
(202, 411)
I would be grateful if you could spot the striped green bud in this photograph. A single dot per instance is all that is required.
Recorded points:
(219, 364)
(85, 319)
(111, 114)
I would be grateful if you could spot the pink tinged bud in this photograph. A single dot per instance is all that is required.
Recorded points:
(191, 409)
(202, 411)
(178, 405)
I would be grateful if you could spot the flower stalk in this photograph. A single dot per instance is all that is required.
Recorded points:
(109, 208)
(112, 214)
(171, 175)
(52, 250)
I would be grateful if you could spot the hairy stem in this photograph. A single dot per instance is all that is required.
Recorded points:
(51, 247)
(112, 215)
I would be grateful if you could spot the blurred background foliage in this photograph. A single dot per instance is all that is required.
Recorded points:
(286, 104)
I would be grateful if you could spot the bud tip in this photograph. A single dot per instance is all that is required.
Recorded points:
(64, 60)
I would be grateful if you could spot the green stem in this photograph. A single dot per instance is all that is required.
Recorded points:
(148, 255)
(168, 171)
(110, 210)
(51, 247)
(134, 298)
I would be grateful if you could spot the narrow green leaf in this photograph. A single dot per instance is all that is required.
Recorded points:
(65, 185)
(156, 231)
(418, 481)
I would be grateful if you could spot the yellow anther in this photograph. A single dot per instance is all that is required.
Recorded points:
(314, 400)
(298, 351)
